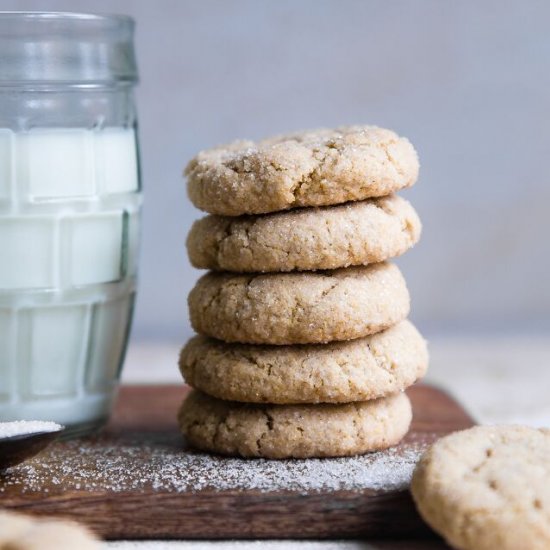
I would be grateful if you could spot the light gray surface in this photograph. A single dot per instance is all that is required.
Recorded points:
(467, 81)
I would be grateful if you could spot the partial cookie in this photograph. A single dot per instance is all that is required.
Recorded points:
(487, 488)
(358, 233)
(299, 308)
(294, 431)
(340, 372)
(315, 168)
(19, 532)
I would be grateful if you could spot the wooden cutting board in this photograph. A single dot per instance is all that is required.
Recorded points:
(137, 480)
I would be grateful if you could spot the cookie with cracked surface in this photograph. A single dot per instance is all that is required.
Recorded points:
(20, 532)
(306, 239)
(299, 307)
(339, 372)
(487, 487)
(294, 431)
(313, 168)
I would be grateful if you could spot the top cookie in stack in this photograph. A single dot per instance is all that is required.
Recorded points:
(317, 168)
(304, 347)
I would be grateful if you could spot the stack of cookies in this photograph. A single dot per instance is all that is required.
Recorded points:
(304, 349)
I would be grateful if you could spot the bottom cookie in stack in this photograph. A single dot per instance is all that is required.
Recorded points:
(294, 431)
(325, 400)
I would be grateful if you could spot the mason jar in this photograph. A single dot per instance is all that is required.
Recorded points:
(70, 199)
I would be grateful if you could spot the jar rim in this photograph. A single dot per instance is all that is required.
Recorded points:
(69, 15)
(67, 47)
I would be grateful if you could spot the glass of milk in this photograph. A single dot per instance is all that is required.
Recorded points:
(70, 200)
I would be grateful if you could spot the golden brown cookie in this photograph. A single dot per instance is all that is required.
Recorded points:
(299, 308)
(487, 487)
(340, 372)
(294, 431)
(357, 233)
(313, 168)
(20, 532)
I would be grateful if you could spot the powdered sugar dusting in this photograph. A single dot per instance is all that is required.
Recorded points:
(162, 464)
(27, 427)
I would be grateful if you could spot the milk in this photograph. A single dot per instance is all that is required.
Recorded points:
(69, 229)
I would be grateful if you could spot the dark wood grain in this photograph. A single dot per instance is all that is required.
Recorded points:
(148, 413)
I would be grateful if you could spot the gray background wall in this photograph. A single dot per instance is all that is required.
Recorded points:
(468, 82)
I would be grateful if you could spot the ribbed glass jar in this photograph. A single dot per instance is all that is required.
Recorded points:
(70, 200)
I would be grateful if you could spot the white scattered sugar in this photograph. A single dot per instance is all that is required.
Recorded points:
(26, 427)
(163, 465)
